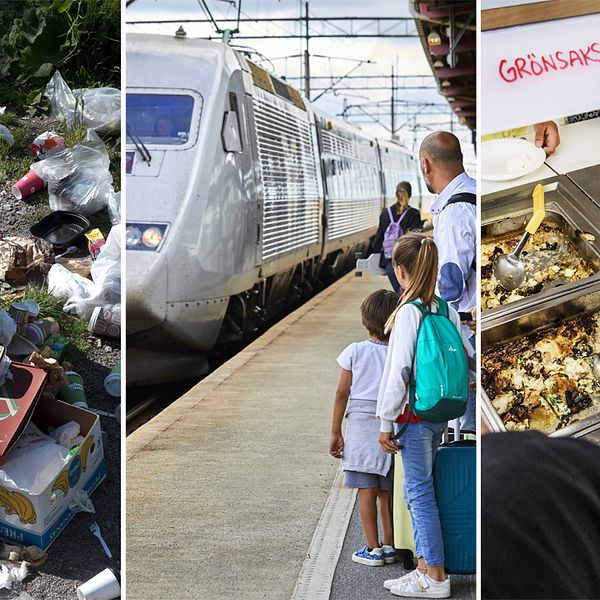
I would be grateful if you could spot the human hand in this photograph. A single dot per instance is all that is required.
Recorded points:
(387, 443)
(546, 136)
(336, 445)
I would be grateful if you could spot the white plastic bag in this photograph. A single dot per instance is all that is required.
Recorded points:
(114, 207)
(84, 295)
(34, 462)
(78, 178)
(97, 108)
(6, 135)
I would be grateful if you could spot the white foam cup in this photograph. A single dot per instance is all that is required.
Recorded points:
(104, 586)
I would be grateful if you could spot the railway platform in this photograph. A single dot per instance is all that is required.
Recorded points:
(231, 491)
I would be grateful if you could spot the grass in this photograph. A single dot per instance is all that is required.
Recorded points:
(50, 306)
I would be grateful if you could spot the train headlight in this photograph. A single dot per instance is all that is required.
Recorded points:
(151, 237)
(147, 237)
(133, 236)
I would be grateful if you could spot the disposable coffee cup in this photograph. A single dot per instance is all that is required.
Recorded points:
(34, 333)
(104, 586)
(19, 313)
(73, 393)
(106, 320)
(28, 185)
(47, 326)
(112, 382)
(33, 307)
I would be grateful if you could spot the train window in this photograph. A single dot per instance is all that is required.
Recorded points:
(162, 119)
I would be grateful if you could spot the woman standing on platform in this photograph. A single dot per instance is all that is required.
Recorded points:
(394, 222)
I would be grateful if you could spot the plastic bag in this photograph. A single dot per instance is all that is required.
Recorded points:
(81, 503)
(6, 135)
(97, 108)
(34, 461)
(84, 295)
(106, 270)
(78, 178)
(114, 207)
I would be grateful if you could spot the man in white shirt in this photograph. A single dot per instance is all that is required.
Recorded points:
(454, 228)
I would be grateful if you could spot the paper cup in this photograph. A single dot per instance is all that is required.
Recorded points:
(112, 382)
(28, 185)
(34, 333)
(33, 307)
(106, 320)
(104, 586)
(19, 313)
(73, 393)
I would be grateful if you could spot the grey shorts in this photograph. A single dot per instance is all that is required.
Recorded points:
(356, 479)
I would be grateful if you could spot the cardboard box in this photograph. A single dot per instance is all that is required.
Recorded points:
(18, 398)
(28, 519)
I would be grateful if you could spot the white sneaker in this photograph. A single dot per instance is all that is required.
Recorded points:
(388, 584)
(422, 587)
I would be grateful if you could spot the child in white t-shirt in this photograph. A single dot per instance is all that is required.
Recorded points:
(366, 466)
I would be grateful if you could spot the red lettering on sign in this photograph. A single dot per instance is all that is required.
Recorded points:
(532, 66)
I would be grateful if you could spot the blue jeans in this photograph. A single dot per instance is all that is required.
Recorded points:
(420, 442)
(467, 421)
(389, 269)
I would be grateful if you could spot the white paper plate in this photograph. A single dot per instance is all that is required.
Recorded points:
(509, 158)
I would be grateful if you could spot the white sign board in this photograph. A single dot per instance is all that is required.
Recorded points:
(534, 73)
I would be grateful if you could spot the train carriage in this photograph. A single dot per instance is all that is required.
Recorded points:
(240, 197)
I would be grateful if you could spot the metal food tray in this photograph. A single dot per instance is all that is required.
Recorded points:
(588, 180)
(566, 205)
(584, 298)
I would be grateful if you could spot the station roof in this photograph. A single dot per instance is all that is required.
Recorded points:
(447, 30)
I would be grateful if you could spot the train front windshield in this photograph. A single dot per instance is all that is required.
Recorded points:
(162, 119)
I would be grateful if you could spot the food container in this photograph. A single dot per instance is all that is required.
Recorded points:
(588, 181)
(534, 317)
(568, 210)
(61, 228)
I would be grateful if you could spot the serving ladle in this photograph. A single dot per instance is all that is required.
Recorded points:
(508, 268)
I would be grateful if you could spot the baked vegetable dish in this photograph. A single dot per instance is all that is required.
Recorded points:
(544, 381)
(550, 259)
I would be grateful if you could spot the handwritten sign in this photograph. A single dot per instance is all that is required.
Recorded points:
(539, 72)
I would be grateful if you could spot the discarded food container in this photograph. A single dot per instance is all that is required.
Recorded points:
(104, 586)
(27, 185)
(81, 266)
(47, 143)
(18, 397)
(112, 382)
(38, 519)
(61, 228)
(106, 320)
(54, 346)
(73, 393)
(20, 314)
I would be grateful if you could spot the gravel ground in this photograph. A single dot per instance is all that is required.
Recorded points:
(76, 555)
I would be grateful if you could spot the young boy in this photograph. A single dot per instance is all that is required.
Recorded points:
(366, 466)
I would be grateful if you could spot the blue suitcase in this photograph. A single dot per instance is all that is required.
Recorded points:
(455, 481)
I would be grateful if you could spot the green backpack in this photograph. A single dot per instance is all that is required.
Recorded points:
(439, 391)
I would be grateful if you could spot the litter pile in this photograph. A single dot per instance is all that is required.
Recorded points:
(52, 454)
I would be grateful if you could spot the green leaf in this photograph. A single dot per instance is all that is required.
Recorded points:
(44, 70)
(62, 5)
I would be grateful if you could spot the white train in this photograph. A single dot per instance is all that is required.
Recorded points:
(241, 198)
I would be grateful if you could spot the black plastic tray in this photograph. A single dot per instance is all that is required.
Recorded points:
(61, 228)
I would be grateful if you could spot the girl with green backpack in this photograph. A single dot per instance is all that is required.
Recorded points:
(424, 384)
